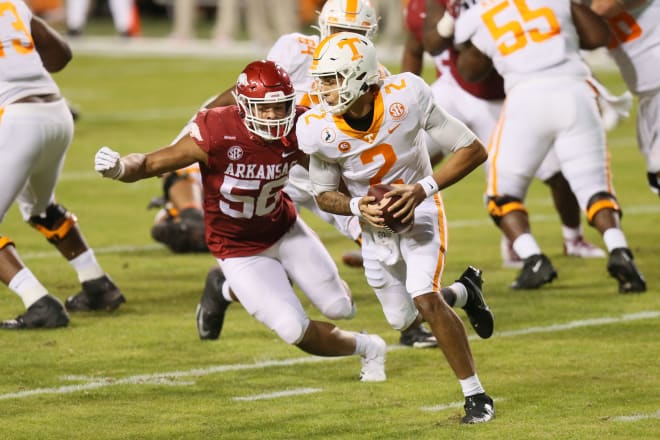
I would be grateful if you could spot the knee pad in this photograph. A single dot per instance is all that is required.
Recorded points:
(55, 224)
(654, 182)
(340, 309)
(499, 206)
(600, 201)
(5, 241)
(291, 331)
(398, 307)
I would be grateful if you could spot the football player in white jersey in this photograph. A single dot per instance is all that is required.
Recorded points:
(36, 128)
(181, 225)
(368, 130)
(636, 50)
(549, 106)
(478, 105)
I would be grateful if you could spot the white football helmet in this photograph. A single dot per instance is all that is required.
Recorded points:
(349, 59)
(260, 83)
(348, 15)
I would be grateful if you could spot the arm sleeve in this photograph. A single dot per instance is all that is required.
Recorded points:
(446, 131)
(325, 176)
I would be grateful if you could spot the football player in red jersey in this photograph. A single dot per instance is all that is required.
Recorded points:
(245, 152)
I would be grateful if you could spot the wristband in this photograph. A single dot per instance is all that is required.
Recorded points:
(429, 185)
(355, 206)
(445, 26)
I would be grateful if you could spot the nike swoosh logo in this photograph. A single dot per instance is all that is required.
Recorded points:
(391, 129)
(200, 323)
(288, 153)
(537, 266)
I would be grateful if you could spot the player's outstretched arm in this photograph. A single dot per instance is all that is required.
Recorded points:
(136, 166)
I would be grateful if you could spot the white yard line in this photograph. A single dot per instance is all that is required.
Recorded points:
(173, 378)
(277, 394)
(637, 417)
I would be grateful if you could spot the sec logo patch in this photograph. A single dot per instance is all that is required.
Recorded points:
(235, 153)
(397, 111)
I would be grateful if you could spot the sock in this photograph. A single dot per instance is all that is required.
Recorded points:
(361, 343)
(571, 234)
(525, 246)
(27, 286)
(614, 238)
(225, 292)
(87, 266)
(471, 386)
(461, 294)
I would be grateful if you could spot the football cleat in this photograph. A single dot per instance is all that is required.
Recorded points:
(353, 259)
(621, 266)
(98, 294)
(418, 337)
(581, 248)
(479, 408)
(478, 312)
(373, 362)
(210, 314)
(537, 270)
(46, 312)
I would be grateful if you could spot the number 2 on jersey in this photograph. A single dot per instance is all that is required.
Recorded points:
(19, 46)
(522, 36)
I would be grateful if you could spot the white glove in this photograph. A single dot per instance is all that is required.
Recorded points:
(445, 26)
(108, 163)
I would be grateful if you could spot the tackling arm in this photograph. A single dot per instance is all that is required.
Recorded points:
(137, 166)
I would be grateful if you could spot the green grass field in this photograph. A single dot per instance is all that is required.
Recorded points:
(574, 360)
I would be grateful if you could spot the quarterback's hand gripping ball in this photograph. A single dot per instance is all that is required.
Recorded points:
(392, 223)
(107, 163)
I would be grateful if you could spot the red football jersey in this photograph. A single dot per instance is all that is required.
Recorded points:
(245, 209)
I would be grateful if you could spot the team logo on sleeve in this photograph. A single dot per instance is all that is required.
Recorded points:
(235, 153)
(328, 135)
(398, 111)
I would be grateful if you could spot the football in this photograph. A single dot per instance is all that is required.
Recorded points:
(393, 224)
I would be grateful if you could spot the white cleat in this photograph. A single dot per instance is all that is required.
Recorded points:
(373, 362)
(582, 249)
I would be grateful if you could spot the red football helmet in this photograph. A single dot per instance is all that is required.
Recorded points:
(259, 89)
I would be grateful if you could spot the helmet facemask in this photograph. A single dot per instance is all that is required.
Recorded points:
(269, 129)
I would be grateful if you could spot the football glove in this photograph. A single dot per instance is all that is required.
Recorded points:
(108, 163)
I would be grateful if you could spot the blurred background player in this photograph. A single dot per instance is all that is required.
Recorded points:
(549, 106)
(635, 47)
(371, 128)
(245, 152)
(478, 105)
(35, 133)
(125, 17)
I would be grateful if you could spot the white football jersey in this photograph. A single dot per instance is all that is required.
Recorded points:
(391, 150)
(524, 39)
(636, 46)
(294, 53)
(21, 71)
